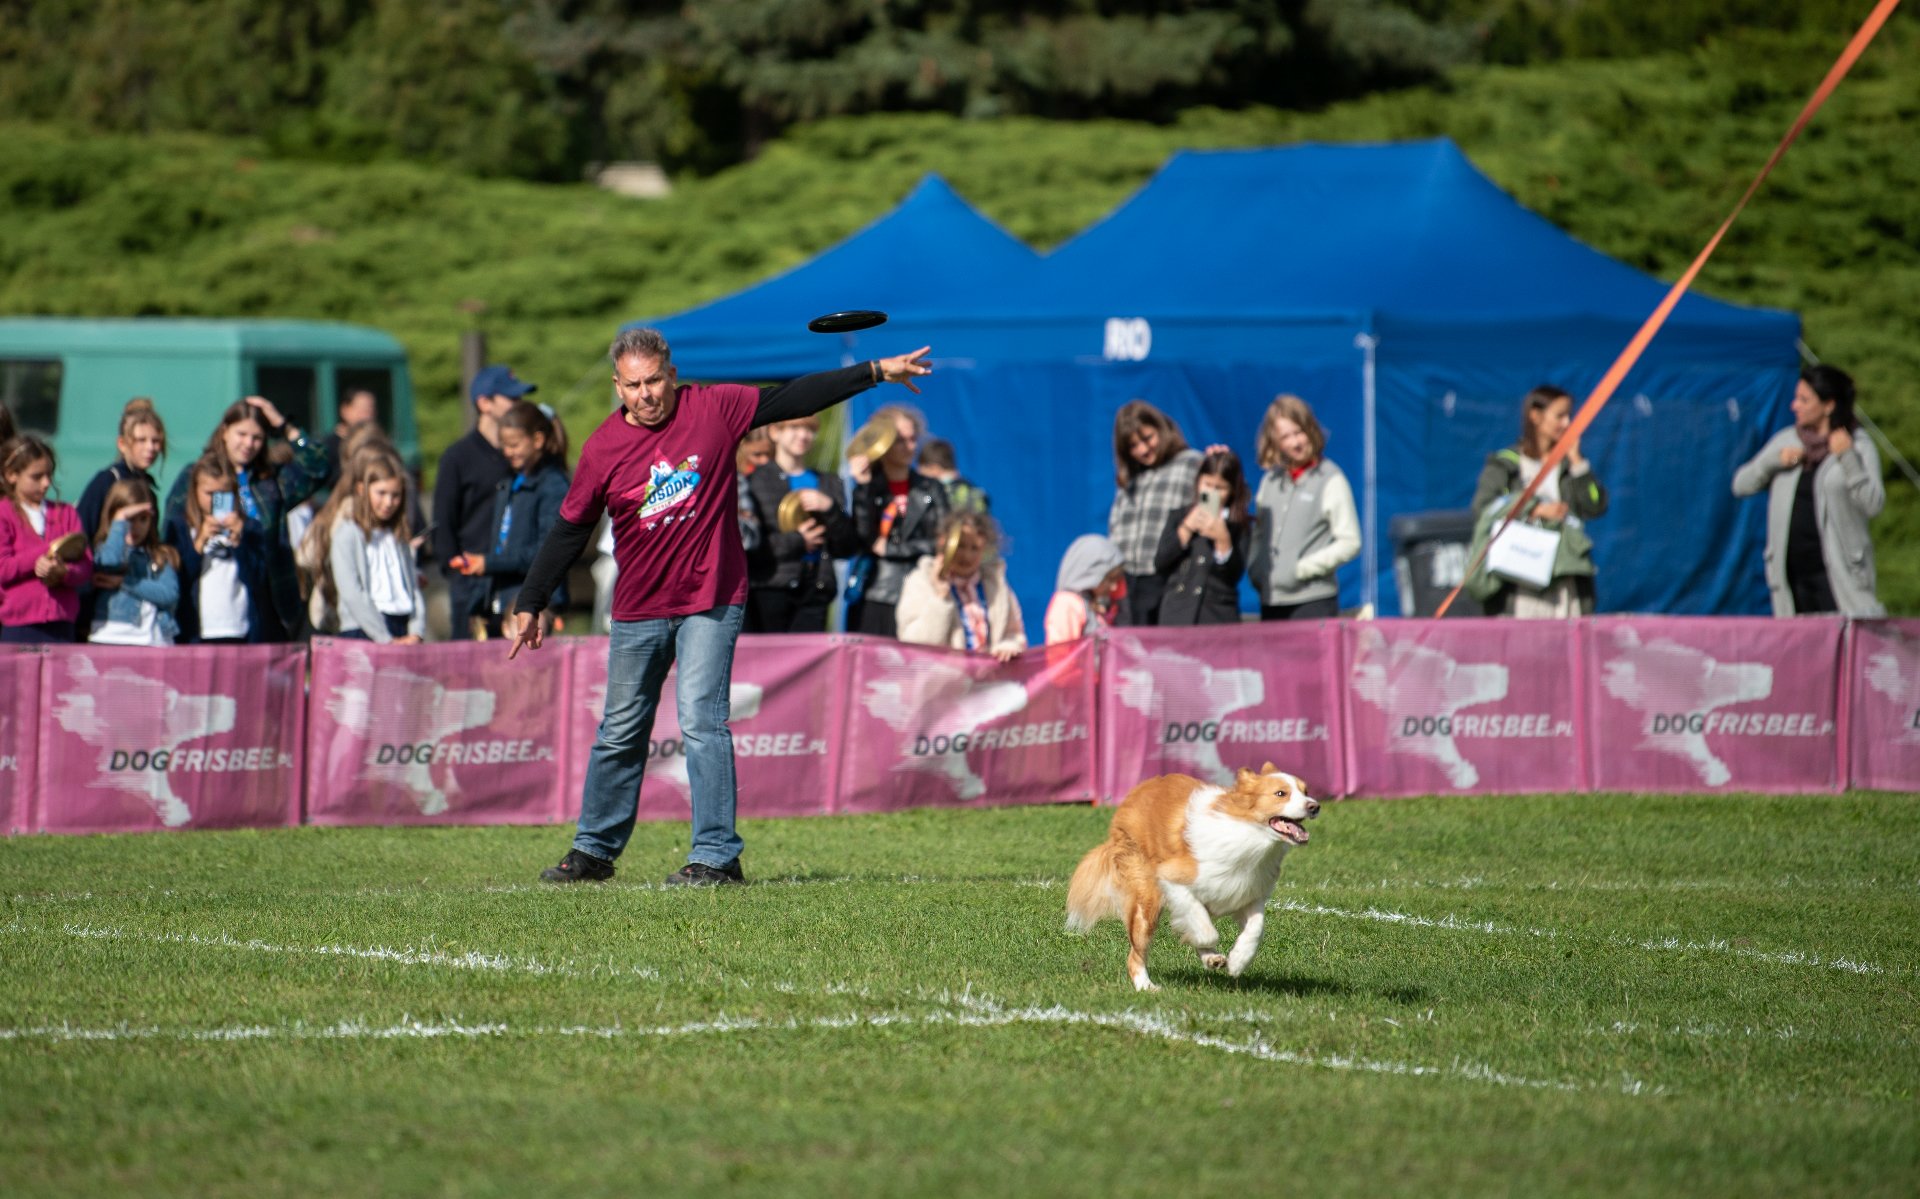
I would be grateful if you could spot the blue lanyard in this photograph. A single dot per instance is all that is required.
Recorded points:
(960, 606)
(506, 518)
(247, 503)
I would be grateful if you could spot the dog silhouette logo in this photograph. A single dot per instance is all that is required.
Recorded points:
(408, 715)
(1421, 690)
(1678, 688)
(138, 724)
(1187, 699)
(1887, 677)
(938, 708)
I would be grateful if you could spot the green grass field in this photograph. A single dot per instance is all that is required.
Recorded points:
(1569, 995)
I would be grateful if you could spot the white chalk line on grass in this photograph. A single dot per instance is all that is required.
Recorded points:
(407, 956)
(505, 963)
(1652, 945)
(973, 1013)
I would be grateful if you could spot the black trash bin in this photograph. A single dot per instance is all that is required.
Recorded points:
(1430, 559)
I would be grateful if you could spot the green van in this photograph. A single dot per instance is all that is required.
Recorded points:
(68, 378)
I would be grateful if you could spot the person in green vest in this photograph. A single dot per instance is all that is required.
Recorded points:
(1569, 497)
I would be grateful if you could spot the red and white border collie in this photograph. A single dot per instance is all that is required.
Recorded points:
(1199, 851)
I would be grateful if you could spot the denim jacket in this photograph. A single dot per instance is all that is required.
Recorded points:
(141, 581)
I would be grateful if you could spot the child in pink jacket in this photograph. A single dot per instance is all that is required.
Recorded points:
(39, 588)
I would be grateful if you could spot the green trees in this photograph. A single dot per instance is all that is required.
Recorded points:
(539, 88)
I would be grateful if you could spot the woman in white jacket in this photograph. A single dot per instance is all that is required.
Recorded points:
(959, 596)
(1823, 486)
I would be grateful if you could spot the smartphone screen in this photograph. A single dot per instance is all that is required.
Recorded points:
(223, 503)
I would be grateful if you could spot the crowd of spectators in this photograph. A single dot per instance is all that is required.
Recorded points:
(273, 535)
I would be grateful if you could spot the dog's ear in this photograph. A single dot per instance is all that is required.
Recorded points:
(1243, 776)
(1269, 768)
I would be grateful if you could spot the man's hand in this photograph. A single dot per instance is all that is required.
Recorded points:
(814, 500)
(812, 535)
(527, 632)
(904, 368)
(1839, 441)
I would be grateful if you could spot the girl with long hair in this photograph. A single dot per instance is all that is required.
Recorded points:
(267, 491)
(526, 507)
(369, 575)
(222, 558)
(44, 559)
(1569, 497)
(1153, 471)
(1305, 522)
(1203, 549)
(139, 610)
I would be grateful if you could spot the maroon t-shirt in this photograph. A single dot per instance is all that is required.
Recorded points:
(674, 500)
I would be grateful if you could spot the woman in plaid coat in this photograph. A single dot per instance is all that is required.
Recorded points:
(1154, 472)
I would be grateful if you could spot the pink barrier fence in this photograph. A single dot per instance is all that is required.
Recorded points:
(1883, 704)
(1207, 701)
(932, 728)
(435, 734)
(102, 739)
(1743, 704)
(19, 738)
(201, 737)
(1462, 705)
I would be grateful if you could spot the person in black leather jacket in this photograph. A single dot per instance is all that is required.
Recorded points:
(790, 581)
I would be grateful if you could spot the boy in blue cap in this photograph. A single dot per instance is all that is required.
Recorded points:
(470, 471)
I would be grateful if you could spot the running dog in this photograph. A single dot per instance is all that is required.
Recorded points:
(1200, 851)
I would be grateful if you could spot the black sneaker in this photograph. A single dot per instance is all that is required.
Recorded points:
(579, 867)
(699, 874)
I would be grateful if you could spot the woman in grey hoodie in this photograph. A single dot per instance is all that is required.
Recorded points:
(1823, 486)
(1305, 525)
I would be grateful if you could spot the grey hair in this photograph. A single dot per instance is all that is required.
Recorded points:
(645, 342)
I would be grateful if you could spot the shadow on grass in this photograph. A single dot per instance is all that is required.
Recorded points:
(1296, 985)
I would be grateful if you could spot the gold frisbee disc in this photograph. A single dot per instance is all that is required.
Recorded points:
(792, 512)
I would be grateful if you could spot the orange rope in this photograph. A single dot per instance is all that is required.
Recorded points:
(1630, 355)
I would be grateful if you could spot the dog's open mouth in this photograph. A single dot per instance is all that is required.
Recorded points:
(1288, 830)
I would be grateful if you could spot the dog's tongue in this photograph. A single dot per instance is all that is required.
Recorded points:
(1291, 831)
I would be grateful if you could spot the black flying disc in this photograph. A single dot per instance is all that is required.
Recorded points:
(847, 322)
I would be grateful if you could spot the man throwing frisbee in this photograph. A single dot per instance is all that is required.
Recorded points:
(662, 466)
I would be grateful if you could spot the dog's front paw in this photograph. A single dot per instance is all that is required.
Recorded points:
(1214, 961)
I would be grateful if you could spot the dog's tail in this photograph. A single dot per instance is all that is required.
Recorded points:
(1094, 894)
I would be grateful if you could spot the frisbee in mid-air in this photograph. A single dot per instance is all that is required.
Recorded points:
(850, 321)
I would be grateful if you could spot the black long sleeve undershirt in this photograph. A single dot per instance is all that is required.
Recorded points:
(805, 396)
(810, 394)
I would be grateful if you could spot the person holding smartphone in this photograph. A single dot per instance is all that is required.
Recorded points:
(223, 569)
(1203, 550)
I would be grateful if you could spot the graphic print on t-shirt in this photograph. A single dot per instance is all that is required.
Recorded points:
(668, 485)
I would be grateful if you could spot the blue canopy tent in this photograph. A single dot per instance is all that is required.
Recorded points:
(1398, 291)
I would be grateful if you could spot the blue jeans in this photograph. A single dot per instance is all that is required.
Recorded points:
(638, 658)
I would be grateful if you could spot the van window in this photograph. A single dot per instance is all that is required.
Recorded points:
(31, 389)
(376, 379)
(292, 389)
